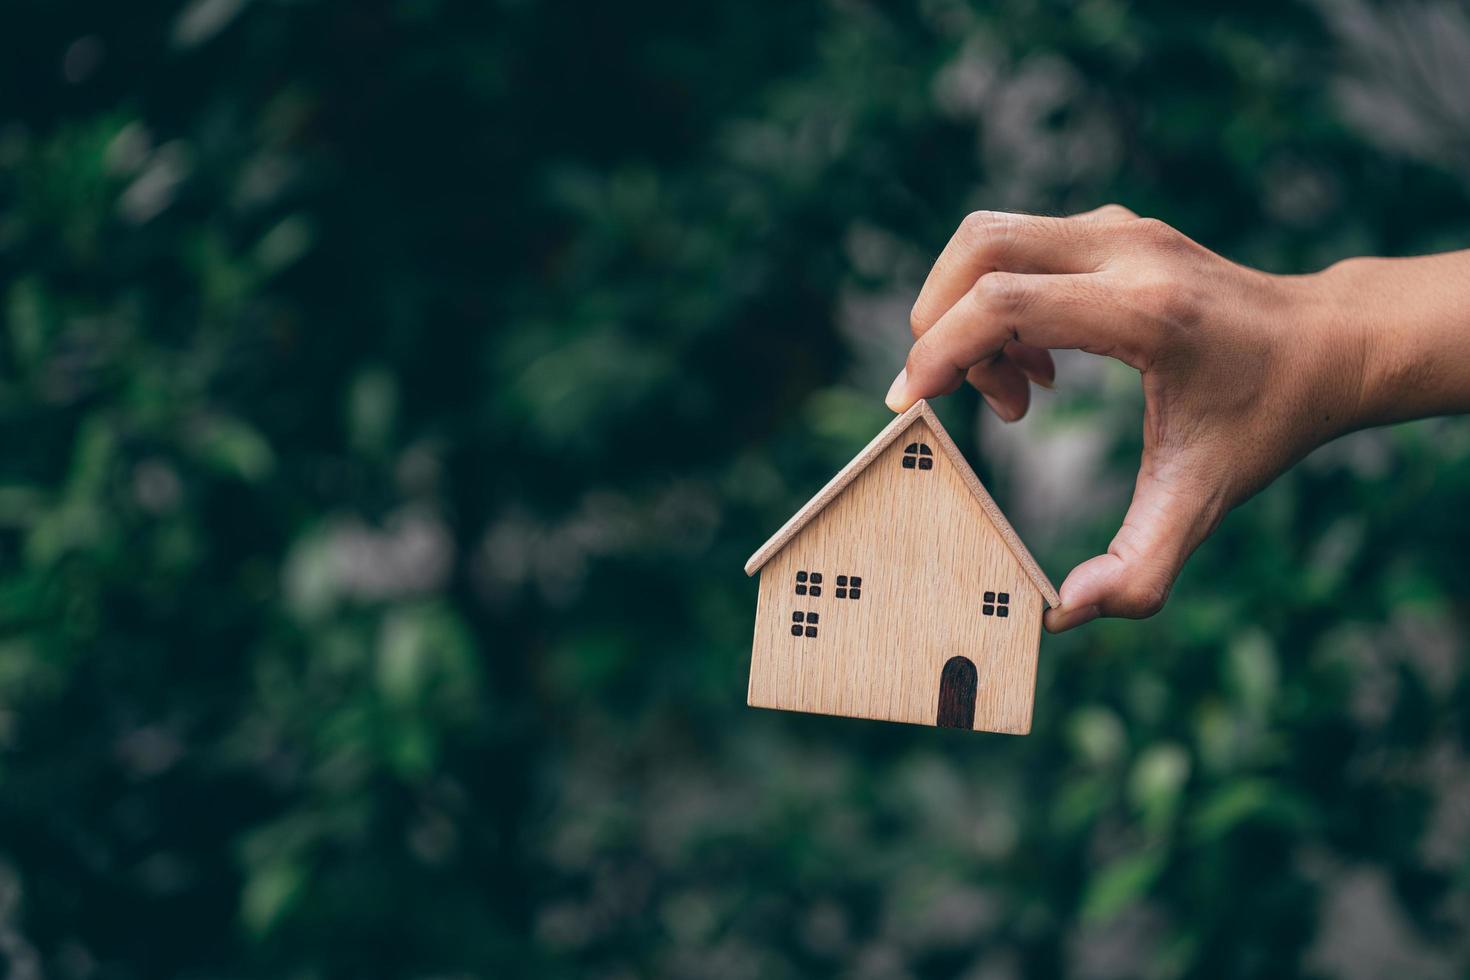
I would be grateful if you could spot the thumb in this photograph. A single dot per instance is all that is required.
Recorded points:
(1165, 523)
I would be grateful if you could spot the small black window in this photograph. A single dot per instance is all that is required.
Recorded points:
(808, 583)
(996, 604)
(849, 586)
(804, 624)
(918, 455)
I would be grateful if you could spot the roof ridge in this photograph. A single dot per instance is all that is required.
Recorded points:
(870, 452)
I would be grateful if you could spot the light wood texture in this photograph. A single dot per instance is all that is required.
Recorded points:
(940, 441)
(927, 549)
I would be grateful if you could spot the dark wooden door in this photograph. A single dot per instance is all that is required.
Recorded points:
(957, 694)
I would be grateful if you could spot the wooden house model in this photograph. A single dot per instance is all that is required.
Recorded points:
(900, 592)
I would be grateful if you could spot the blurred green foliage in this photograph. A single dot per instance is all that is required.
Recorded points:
(392, 391)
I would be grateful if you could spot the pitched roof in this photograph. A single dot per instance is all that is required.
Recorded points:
(860, 462)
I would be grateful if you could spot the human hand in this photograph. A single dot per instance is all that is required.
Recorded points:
(1243, 372)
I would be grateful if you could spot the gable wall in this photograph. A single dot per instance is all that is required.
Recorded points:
(926, 553)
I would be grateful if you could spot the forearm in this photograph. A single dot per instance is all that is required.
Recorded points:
(1410, 319)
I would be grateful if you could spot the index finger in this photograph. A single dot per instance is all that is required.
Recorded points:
(994, 241)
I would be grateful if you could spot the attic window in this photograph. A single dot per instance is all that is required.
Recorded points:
(918, 454)
(809, 583)
(997, 604)
(849, 586)
(804, 624)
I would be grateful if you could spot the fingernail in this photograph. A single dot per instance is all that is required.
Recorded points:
(1041, 380)
(1006, 414)
(1085, 615)
(895, 397)
(1063, 618)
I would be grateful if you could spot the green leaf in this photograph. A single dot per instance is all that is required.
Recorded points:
(233, 447)
(1156, 784)
(1243, 802)
(270, 892)
(1120, 884)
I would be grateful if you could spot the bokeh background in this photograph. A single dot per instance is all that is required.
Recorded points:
(391, 391)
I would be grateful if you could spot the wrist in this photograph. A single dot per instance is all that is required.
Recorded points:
(1405, 321)
(1347, 342)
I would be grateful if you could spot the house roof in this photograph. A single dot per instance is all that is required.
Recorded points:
(860, 462)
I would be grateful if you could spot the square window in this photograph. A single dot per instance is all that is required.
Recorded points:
(795, 630)
(816, 578)
(801, 590)
(917, 454)
(811, 631)
(855, 593)
(988, 610)
(990, 597)
(842, 580)
(857, 581)
(811, 617)
(1004, 598)
(796, 617)
(841, 592)
(801, 576)
(1003, 610)
(815, 591)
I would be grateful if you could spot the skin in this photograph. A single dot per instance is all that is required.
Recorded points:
(1243, 372)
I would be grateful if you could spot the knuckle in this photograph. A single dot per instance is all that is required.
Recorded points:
(1155, 232)
(977, 222)
(985, 229)
(1000, 294)
(1354, 264)
(1117, 211)
(918, 322)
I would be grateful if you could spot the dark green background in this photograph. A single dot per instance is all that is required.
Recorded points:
(392, 392)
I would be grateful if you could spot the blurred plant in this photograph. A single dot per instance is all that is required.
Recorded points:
(394, 390)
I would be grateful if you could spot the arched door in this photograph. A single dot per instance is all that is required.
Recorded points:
(957, 694)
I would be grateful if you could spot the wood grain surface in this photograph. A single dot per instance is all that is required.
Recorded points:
(941, 443)
(927, 551)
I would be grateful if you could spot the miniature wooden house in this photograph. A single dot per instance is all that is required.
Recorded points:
(900, 592)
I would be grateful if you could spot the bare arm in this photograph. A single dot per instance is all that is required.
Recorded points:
(1243, 372)
(1414, 316)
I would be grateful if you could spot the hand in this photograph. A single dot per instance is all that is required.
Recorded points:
(1243, 372)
